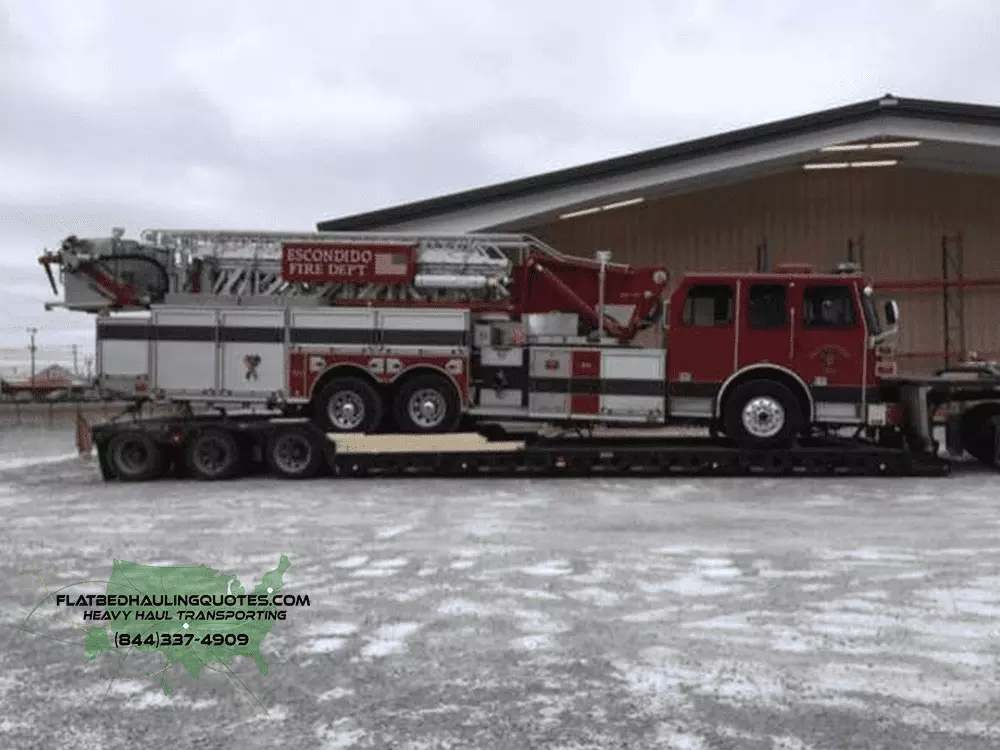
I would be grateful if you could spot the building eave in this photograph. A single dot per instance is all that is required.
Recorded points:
(839, 121)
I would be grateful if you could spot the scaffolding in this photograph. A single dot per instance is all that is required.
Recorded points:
(953, 301)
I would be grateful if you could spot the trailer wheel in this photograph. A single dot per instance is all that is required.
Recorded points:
(213, 454)
(294, 452)
(427, 404)
(135, 457)
(979, 435)
(348, 404)
(762, 414)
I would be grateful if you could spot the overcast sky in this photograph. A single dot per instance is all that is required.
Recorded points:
(277, 114)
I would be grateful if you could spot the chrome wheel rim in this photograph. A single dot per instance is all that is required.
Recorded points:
(427, 408)
(763, 417)
(346, 410)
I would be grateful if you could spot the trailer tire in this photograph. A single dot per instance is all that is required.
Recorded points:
(353, 396)
(427, 404)
(979, 435)
(135, 457)
(294, 452)
(213, 454)
(762, 414)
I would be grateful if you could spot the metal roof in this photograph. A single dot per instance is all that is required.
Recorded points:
(888, 105)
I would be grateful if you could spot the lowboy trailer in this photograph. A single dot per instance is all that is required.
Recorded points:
(392, 354)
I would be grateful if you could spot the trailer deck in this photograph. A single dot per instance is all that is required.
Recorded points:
(214, 448)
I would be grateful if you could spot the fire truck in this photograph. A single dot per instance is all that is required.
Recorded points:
(415, 353)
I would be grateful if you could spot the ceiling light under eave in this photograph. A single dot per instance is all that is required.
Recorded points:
(846, 147)
(876, 163)
(605, 207)
(874, 145)
(846, 164)
(581, 212)
(622, 204)
(896, 144)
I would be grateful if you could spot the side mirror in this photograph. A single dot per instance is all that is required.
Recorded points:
(891, 312)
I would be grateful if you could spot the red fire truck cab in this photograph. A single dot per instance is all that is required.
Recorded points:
(762, 357)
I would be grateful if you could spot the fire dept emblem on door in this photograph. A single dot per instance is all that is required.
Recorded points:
(828, 356)
(251, 362)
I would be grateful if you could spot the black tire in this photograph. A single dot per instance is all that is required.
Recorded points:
(135, 457)
(212, 455)
(979, 435)
(777, 414)
(294, 452)
(348, 404)
(439, 411)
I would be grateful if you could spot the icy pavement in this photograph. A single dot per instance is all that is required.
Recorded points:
(764, 614)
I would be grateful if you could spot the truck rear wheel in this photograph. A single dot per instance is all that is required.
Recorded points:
(213, 454)
(348, 404)
(294, 452)
(762, 414)
(427, 404)
(135, 457)
(979, 434)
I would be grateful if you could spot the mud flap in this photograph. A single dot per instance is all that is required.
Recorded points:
(917, 417)
(996, 441)
(953, 435)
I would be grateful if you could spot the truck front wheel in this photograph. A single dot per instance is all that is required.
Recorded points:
(762, 414)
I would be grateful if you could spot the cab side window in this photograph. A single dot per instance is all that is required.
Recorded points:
(828, 307)
(766, 307)
(709, 305)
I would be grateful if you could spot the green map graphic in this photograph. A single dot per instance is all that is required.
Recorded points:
(204, 640)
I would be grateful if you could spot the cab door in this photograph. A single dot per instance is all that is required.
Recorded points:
(702, 346)
(829, 347)
(766, 334)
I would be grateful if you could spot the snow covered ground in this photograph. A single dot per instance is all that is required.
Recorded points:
(759, 614)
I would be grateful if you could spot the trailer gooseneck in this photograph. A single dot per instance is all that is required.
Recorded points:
(395, 354)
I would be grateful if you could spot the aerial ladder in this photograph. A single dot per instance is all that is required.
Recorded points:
(510, 273)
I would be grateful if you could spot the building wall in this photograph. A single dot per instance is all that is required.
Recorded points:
(899, 216)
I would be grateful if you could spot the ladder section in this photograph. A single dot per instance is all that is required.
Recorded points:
(199, 266)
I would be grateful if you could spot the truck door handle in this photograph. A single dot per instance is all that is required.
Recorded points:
(791, 336)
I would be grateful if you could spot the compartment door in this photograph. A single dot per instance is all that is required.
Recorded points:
(184, 352)
(549, 374)
(123, 354)
(252, 344)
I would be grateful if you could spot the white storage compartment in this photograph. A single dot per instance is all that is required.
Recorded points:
(344, 327)
(423, 328)
(252, 352)
(184, 352)
(123, 354)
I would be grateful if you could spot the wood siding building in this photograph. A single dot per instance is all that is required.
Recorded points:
(894, 222)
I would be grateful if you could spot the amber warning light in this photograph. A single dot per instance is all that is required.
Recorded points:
(318, 262)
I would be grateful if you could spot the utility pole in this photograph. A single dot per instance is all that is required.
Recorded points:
(32, 348)
(76, 370)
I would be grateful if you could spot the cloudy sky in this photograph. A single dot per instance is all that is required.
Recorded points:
(277, 114)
